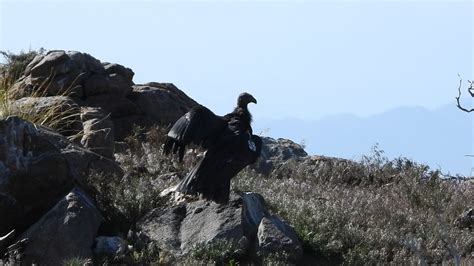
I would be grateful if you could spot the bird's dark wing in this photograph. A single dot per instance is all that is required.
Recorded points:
(212, 174)
(198, 126)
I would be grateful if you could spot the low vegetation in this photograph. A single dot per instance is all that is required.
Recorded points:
(398, 212)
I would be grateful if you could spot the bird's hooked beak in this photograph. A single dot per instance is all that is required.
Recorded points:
(253, 100)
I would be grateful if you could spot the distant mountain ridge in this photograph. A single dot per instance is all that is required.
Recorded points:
(440, 137)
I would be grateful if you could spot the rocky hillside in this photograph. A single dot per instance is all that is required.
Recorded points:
(83, 181)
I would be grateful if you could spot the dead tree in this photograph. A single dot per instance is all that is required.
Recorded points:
(470, 90)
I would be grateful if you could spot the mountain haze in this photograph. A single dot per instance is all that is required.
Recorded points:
(440, 137)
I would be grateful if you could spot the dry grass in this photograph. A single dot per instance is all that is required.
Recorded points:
(59, 116)
(407, 215)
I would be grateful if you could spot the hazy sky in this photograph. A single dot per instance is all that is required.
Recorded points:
(300, 59)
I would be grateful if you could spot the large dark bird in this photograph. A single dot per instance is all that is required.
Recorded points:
(229, 142)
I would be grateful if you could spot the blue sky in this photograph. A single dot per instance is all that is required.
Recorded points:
(302, 60)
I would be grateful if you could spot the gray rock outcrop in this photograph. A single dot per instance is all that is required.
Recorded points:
(105, 86)
(37, 168)
(98, 131)
(57, 73)
(277, 152)
(162, 102)
(275, 236)
(180, 228)
(67, 231)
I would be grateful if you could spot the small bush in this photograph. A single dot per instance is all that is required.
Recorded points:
(15, 64)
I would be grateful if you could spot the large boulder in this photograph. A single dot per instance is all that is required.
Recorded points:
(186, 223)
(37, 168)
(275, 236)
(276, 152)
(161, 102)
(57, 73)
(66, 231)
(178, 229)
(108, 86)
(112, 84)
(147, 105)
(114, 105)
(98, 131)
(71, 73)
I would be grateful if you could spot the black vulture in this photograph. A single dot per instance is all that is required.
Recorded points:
(229, 143)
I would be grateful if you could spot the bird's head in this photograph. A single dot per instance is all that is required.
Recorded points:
(244, 99)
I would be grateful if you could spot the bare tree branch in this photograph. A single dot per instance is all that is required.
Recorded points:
(471, 88)
(471, 92)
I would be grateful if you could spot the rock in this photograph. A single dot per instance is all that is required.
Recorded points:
(109, 86)
(67, 231)
(52, 62)
(110, 246)
(61, 112)
(35, 160)
(55, 73)
(282, 149)
(111, 68)
(254, 211)
(180, 228)
(113, 85)
(163, 226)
(116, 106)
(276, 152)
(73, 74)
(275, 236)
(163, 103)
(86, 62)
(98, 135)
(206, 222)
